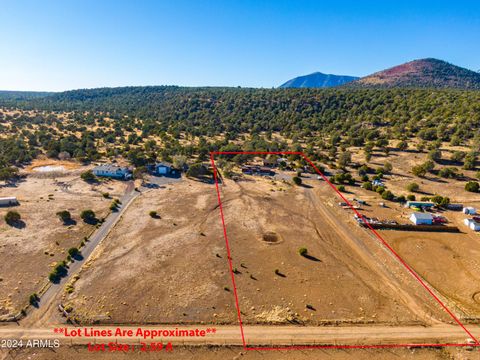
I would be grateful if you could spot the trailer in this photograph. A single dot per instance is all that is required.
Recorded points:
(8, 201)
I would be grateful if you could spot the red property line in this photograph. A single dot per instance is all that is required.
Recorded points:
(410, 270)
(228, 250)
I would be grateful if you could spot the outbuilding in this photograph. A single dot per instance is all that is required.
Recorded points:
(469, 210)
(419, 218)
(419, 204)
(472, 224)
(8, 201)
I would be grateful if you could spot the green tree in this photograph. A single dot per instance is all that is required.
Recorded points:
(88, 176)
(472, 186)
(297, 180)
(12, 217)
(64, 216)
(413, 187)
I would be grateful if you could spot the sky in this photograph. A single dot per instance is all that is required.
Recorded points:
(55, 45)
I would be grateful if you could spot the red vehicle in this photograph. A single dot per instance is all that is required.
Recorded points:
(439, 220)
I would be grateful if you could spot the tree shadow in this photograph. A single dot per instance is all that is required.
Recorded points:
(91, 221)
(70, 222)
(19, 224)
(312, 258)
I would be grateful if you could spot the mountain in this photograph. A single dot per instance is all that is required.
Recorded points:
(318, 80)
(423, 73)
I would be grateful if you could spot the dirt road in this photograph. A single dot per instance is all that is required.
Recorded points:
(262, 335)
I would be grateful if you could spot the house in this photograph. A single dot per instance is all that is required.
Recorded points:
(257, 170)
(163, 169)
(112, 171)
(8, 201)
(472, 224)
(421, 218)
(419, 204)
(469, 210)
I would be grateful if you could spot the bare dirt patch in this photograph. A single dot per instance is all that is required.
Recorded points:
(174, 268)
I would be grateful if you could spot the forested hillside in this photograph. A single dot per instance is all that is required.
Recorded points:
(209, 111)
(143, 124)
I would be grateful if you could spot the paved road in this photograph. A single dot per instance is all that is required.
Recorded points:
(265, 335)
(47, 300)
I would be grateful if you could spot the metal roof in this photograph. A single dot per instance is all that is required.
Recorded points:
(422, 216)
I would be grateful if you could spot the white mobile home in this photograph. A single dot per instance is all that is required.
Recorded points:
(112, 171)
(469, 210)
(8, 201)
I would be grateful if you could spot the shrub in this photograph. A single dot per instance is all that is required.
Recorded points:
(411, 197)
(435, 155)
(153, 214)
(34, 299)
(88, 176)
(58, 272)
(401, 199)
(380, 189)
(387, 167)
(73, 251)
(88, 215)
(367, 185)
(12, 217)
(297, 180)
(413, 187)
(388, 195)
(448, 173)
(106, 195)
(457, 156)
(341, 188)
(302, 251)
(64, 216)
(472, 186)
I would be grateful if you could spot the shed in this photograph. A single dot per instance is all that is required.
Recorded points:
(472, 224)
(419, 218)
(469, 210)
(8, 201)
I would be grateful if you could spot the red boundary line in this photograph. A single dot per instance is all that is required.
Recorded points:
(377, 235)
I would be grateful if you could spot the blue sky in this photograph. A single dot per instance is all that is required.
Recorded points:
(67, 44)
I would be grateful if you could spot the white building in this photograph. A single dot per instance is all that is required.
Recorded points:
(472, 224)
(8, 201)
(112, 171)
(421, 218)
(469, 210)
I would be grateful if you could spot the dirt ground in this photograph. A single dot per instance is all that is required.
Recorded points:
(235, 353)
(174, 269)
(28, 251)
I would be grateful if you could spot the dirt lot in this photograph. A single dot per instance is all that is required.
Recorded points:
(233, 353)
(29, 250)
(174, 268)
